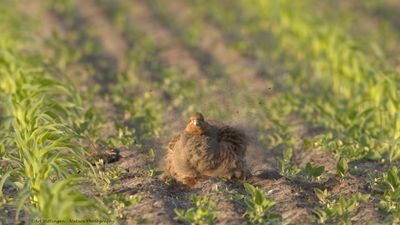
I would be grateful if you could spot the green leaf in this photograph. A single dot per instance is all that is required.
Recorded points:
(250, 203)
(321, 214)
(373, 155)
(307, 144)
(322, 195)
(342, 167)
(258, 197)
(249, 188)
(287, 154)
(274, 216)
(316, 172)
(3, 180)
(392, 177)
(152, 155)
(309, 168)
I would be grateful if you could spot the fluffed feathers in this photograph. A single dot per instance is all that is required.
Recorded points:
(232, 139)
(204, 150)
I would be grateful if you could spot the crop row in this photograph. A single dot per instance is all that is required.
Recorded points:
(44, 169)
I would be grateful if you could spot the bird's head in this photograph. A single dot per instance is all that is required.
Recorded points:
(197, 124)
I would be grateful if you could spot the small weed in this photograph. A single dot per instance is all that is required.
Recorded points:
(152, 171)
(291, 171)
(118, 202)
(313, 173)
(105, 178)
(235, 196)
(342, 167)
(125, 137)
(203, 213)
(152, 155)
(389, 184)
(259, 206)
(336, 209)
(285, 166)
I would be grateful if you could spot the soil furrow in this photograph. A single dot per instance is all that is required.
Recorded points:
(108, 36)
(99, 63)
(172, 52)
(212, 42)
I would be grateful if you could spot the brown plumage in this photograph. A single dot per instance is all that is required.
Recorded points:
(206, 149)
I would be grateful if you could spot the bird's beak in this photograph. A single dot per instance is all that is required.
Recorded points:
(196, 122)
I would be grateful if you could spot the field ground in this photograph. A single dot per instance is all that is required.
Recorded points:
(110, 82)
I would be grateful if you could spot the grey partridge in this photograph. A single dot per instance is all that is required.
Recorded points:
(206, 149)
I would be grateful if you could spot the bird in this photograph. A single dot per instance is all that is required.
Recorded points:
(206, 149)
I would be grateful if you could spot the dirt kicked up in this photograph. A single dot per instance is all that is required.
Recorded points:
(314, 89)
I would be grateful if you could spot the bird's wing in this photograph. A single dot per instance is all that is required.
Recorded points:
(169, 169)
(233, 139)
(216, 123)
(171, 144)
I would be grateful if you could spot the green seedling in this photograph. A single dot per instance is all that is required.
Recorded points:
(337, 209)
(125, 137)
(394, 216)
(152, 155)
(119, 202)
(290, 171)
(389, 184)
(105, 178)
(203, 213)
(235, 196)
(313, 173)
(152, 171)
(285, 166)
(342, 167)
(322, 195)
(259, 207)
